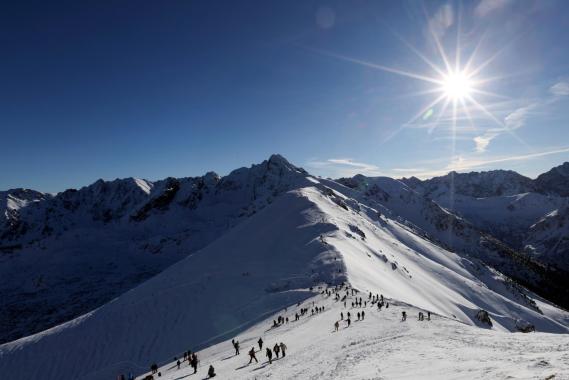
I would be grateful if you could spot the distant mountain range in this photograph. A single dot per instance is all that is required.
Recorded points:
(66, 254)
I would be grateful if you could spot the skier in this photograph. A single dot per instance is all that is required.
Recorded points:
(269, 354)
(277, 349)
(260, 342)
(252, 355)
(336, 325)
(283, 348)
(211, 371)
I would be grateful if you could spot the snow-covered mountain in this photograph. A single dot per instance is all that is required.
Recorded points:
(67, 254)
(474, 184)
(555, 181)
(508, 206)
(244, 247)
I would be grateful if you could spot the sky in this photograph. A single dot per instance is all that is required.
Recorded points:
(95, 89)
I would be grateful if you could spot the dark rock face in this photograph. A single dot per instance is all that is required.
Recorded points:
(555, 181)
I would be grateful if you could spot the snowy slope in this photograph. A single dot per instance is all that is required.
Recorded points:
(381, 347)
(507, 205)
(549, 237)
(427, 218)
(81, 248)
(307, 236)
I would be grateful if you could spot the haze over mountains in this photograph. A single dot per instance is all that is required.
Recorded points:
(220, 253)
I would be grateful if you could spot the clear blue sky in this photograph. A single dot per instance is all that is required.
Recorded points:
(95, 89)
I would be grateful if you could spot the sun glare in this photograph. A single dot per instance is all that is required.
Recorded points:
(456, 86)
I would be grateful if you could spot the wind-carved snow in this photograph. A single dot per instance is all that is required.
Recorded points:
(313, 234)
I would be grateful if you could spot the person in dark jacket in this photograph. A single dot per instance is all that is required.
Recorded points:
(252, 355)
(277, 349)
(283, 348)
(260, 342)
(194, 362)
(211, 372)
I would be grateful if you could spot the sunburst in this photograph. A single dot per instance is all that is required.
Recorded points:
(457, 88)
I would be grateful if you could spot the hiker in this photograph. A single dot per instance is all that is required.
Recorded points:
(277, 349)
(358, 316)
(363, 315)
(349, 322)
(260, 342)
(403, 316)
(211, 371)
(252, 355)
(154, 368)
(283, 348)
(349, 315)
(178, 363)
(269, 354)
(420, 315)
(336, 326)
(194, 362)
(341, 316)
(428, 315)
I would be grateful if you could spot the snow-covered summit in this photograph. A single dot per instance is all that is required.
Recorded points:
(474, 184)
(80, 248)
(309, 236)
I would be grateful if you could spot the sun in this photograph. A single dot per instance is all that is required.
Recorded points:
(456, 86)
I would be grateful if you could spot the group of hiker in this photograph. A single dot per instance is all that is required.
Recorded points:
(340, 293)
(189, 356)
(277, 349)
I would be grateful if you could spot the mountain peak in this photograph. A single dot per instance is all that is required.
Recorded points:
(555, 181)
